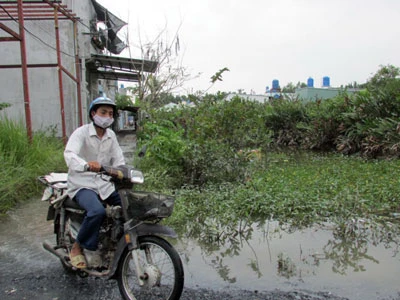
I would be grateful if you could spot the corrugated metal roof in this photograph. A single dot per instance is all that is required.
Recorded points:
(119, 76)
(119, 68)
(122, 63)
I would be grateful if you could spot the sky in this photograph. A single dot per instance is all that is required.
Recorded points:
(262, 40)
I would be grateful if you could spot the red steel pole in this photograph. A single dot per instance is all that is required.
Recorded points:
(60, 82)
(24, 66)
(78, 74)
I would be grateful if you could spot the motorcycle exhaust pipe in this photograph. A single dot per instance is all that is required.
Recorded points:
(51, 249)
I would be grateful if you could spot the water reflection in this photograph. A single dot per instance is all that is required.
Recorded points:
(253, 253)
(350, 243)
(217, 242)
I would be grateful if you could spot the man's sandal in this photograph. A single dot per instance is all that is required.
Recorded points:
(78, 261)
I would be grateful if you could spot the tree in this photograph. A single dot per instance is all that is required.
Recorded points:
(123, 101)
(169, 74)
(353, 85)
(385, 77)
(289, 88)
(300, 85)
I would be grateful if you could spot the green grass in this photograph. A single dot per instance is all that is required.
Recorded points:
(298, 189)
(23, 161)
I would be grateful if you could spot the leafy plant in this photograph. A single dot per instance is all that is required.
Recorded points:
(123, 101)
(283, 118)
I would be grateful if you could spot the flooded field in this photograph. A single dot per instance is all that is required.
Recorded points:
(360, 261)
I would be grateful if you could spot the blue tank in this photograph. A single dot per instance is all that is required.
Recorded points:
(275, 84)
(310, 82)
(326, 81)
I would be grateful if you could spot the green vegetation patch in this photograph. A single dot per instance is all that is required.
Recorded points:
(23, 161)
(298, 189)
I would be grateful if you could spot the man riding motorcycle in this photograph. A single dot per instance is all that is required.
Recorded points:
(89, 147)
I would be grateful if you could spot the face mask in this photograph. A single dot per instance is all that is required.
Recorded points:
(102, 122)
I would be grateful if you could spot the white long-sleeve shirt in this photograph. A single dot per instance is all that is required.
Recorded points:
(83, 146)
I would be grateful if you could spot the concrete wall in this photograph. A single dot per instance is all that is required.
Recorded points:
(311, 93)
(260, 98)
(43, 82)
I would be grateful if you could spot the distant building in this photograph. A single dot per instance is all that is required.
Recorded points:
(312, 93)
(257, 98)
(267, 97)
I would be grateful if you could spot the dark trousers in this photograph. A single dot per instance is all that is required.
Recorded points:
(88, 236)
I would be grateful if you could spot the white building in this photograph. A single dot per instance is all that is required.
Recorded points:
(262, 98)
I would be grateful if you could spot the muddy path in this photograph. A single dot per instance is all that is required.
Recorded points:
(27, 271)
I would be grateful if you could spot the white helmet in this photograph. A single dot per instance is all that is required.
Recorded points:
(101, 101)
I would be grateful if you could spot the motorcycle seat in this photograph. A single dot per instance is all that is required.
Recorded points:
(72, 204)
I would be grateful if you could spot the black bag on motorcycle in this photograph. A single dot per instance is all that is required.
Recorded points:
(147, 205)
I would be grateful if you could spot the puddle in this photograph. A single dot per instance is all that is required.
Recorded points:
(359, 265)
(359, 261)
(22, 233)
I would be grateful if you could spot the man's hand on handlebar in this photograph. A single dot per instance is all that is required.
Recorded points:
(94, 166)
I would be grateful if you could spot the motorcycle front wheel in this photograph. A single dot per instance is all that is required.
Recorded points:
(162, 269)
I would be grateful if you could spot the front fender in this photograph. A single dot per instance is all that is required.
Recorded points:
(155, 229)
(141, 230)
(121, 246)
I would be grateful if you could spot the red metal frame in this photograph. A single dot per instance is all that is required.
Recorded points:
(46, 10)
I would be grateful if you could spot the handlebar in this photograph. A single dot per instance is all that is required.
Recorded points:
(113, 172)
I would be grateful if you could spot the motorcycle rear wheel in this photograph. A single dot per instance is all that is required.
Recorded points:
(165, 270)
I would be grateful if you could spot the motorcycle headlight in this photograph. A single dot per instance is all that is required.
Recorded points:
(136, 176)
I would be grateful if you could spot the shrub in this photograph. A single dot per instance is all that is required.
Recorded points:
(203, 144)
(283, 119)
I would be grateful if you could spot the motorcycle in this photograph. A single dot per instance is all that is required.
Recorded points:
(132, 248)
